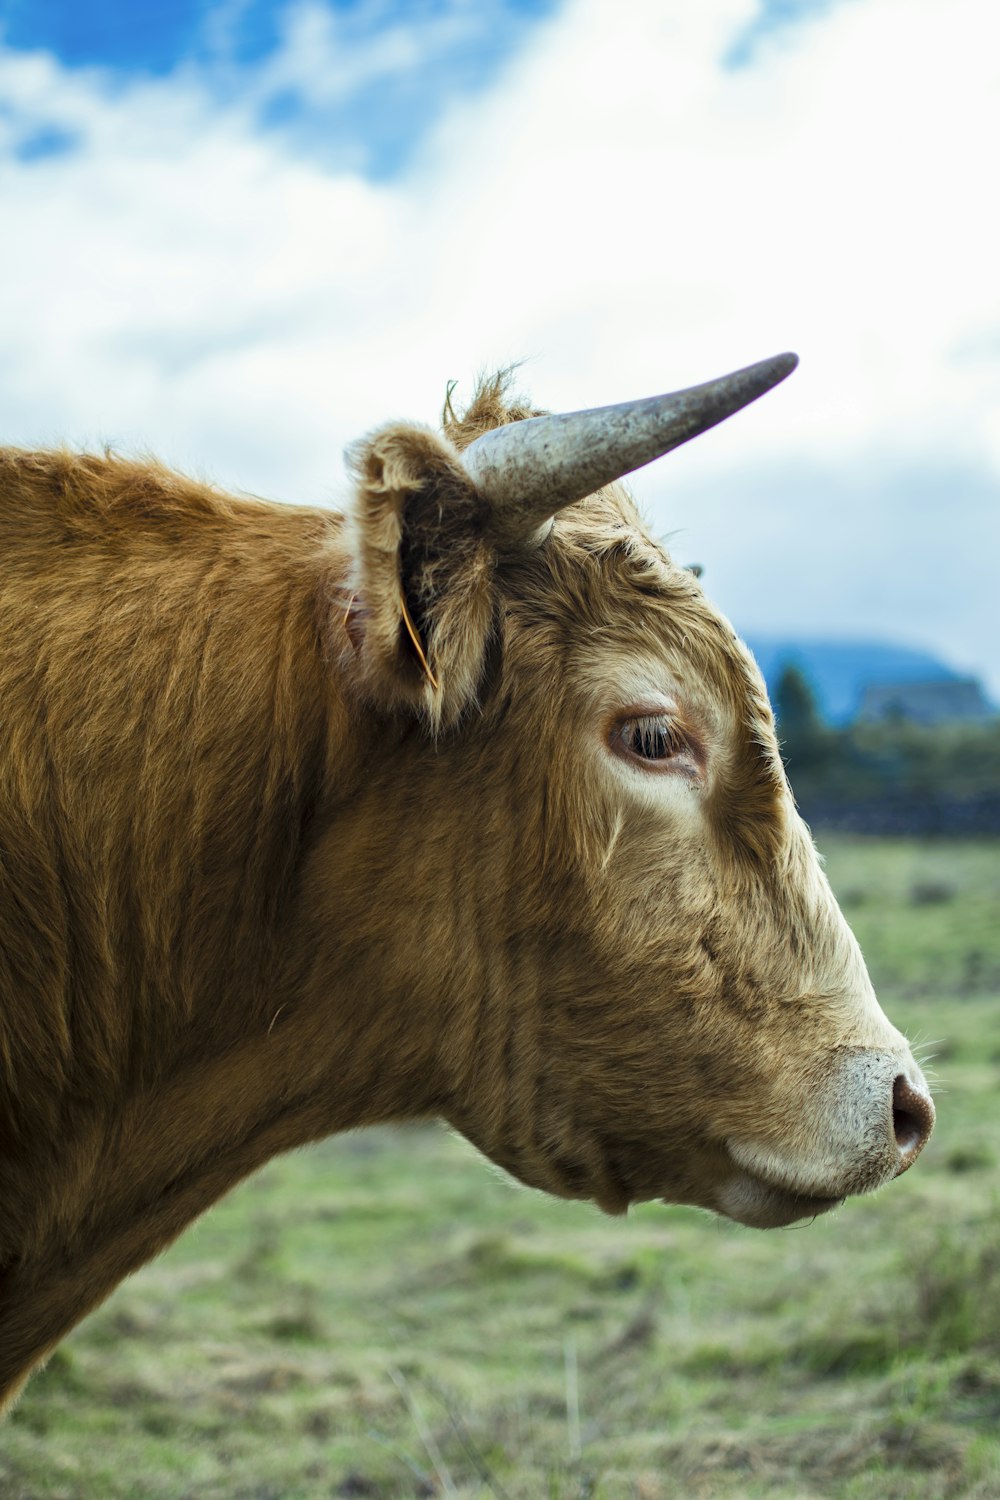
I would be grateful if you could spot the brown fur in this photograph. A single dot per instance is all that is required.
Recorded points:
(266, 874)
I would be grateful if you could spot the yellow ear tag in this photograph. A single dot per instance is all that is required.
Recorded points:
(411, 631)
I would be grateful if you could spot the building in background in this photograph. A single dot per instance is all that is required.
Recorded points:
(961, 701)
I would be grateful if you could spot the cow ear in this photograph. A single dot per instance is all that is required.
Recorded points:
(422, 601)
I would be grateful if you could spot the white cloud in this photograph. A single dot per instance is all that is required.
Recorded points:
(618, 206)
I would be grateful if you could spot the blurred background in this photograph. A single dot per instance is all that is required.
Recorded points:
(237, 234)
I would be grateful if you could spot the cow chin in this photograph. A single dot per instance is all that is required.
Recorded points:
(760, 1205)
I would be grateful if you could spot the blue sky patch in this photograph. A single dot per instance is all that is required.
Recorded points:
(772, 16)
(412, 58)
(45, 142)
(136, 36)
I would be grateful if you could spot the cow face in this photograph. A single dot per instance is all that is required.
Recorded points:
(648, 990)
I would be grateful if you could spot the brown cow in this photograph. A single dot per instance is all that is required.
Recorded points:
(448, 811)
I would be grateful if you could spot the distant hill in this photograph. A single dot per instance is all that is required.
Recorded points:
(839, 672)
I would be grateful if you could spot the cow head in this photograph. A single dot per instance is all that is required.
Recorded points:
(641, 984)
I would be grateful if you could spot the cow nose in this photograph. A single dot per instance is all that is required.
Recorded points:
(912, 1120)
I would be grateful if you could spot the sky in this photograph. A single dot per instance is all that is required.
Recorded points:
(238, 234)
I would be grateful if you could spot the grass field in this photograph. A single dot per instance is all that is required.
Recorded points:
(384, 1316)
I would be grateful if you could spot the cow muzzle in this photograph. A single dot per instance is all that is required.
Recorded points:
(853, 1131)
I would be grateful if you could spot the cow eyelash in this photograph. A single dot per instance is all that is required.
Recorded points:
(654, 739)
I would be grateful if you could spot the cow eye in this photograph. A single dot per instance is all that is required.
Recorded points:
(648, 737)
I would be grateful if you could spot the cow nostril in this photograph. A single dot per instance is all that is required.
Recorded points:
(907, 1128)
(912, 1120)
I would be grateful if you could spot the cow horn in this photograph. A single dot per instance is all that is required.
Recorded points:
(528, 470)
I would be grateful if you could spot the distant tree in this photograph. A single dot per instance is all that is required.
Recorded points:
(794, 702)
(806, 742)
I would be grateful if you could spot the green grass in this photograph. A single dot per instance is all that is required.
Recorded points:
(385, 1316)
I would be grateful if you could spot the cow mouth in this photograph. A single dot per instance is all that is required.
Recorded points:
(753, 1201)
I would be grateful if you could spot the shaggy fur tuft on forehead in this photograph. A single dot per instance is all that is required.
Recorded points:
(493, 404)
(603, 577)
